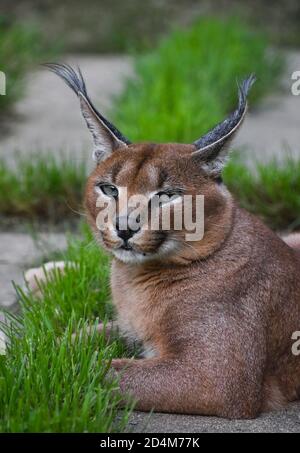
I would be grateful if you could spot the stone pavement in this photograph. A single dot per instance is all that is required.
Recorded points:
(284, 421)
(18, 252)
(273, 127)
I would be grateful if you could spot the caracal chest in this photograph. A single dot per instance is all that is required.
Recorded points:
(139, 312)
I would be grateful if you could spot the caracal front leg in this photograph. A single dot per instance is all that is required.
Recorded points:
(162, 385)
(178, 385)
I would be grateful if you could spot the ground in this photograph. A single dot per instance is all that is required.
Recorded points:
(286, 420)
(48, 118)
(272, 129)
(18, 252)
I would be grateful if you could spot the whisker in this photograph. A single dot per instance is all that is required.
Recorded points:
(83, 214)
(185, 244)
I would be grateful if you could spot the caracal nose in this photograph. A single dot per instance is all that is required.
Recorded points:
(124, 230)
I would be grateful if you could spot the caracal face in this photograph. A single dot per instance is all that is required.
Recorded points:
(156, 186)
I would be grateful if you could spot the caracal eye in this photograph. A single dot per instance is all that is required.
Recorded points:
(109, 190)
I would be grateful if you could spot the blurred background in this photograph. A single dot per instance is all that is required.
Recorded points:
(114, 26)
(103, 37)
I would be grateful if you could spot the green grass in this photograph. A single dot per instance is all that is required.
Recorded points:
(49, 189)
(42, 187)
(48, 384)
(272, 192)
(188, 84)
(21, 46)
(51, 385)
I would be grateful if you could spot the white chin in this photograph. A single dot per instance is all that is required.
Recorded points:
(130, 256)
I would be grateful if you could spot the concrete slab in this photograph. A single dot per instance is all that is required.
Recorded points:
(273, 128)
(19, 251)
(284, 421)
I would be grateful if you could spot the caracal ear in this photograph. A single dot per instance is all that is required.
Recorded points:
(106, 136)
(212, 149)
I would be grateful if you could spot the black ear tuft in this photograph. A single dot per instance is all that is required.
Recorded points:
(76, 82)
(211, 150)
(217, 137)
(73, 80)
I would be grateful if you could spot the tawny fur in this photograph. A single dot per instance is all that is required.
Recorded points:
(219, 316)
(216, 316)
